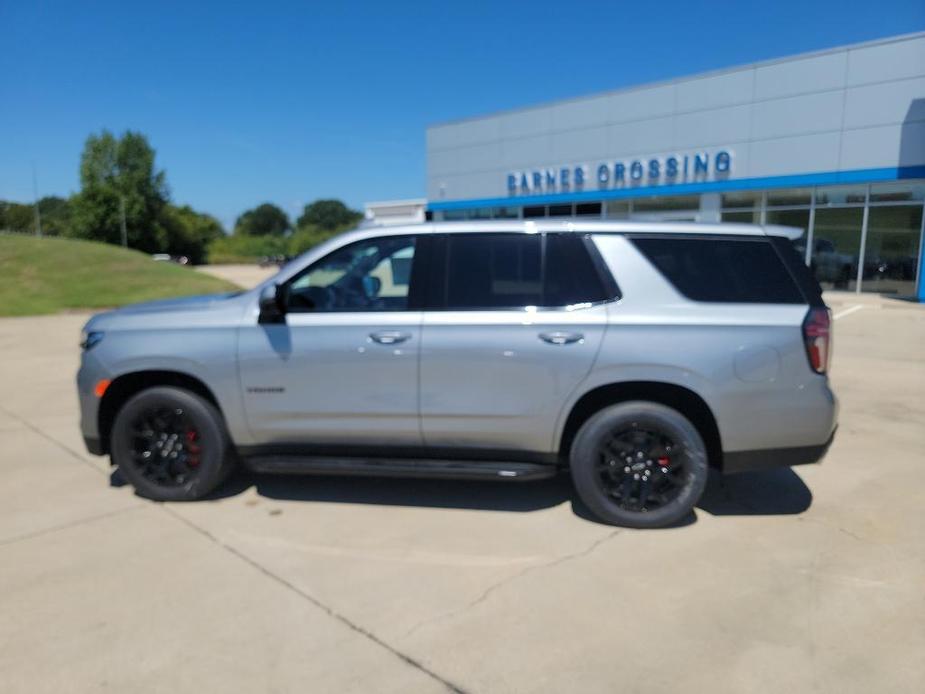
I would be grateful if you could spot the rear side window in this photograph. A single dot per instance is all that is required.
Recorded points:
(493, 271)
(572, 277)
(713, 269)
(511, 271)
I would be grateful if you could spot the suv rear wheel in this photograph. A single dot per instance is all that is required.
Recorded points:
(171, 444)
(639, 464)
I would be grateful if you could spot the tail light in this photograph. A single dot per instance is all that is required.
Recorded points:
(817, 335)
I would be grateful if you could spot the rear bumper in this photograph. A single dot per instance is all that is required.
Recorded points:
(766, 458)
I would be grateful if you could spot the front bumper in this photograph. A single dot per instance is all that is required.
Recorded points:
(90, 372)
(764, 459)
(94, 445)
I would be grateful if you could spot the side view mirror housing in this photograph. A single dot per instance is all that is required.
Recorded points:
(271, 304)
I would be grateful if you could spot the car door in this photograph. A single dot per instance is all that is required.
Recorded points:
(343, 366)
(513, 333)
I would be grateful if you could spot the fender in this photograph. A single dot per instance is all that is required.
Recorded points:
(632, 375)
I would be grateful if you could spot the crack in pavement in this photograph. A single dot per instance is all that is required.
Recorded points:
(353, 626)
(240, 555)
(67, 449)
(66, 526)
(520, 574)
(834, 526)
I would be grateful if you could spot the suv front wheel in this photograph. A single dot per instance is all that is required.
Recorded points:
(171, 444)
(639, 464)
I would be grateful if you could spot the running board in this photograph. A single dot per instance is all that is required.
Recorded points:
(399, 467)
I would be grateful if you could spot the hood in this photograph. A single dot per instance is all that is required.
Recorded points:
(208, 309)
(185, 303)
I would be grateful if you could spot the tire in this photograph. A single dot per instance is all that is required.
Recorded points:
(187, 454)
(661, 486)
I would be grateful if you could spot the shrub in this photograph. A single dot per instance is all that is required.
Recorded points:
(308, 237)
(246, 249)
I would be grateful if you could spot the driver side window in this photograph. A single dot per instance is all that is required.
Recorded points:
(371, 275)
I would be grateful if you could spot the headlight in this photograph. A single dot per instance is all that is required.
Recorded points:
(88, 340)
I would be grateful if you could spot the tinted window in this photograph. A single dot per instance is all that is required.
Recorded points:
(496, 271)
(723, 270)
(571, 275)
(373, 275)
(493, 271)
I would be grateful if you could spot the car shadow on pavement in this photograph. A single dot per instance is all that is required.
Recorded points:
(775, 492)
(477, 495)
(768, 492)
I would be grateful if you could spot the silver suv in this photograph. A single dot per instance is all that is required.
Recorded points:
(635, 355)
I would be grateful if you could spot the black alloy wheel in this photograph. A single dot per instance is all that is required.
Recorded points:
(171, 444)
(639, 464)
(165, 447)
(640, 469)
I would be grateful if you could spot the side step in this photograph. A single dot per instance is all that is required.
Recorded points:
(399, 467)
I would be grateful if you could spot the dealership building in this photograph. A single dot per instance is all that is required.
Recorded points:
(832, 142)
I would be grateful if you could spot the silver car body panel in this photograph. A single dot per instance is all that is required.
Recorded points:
(479, 379)
(321, 378)
(489, 379)
(746, 361)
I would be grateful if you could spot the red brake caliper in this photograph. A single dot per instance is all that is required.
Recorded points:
(663, 461)
(192, 448)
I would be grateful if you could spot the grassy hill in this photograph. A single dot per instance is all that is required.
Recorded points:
(49, 275)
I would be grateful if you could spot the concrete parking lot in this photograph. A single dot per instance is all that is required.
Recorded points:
(806, 580)
(246, 276)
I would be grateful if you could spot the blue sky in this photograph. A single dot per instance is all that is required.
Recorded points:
(288, 102)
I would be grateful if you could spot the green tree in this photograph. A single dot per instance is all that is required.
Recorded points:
(56, 215)
(116, 171)
(15, 216)
(328, 215)
(188, 232)
(19, 217)
(307, 237)
(264, 220)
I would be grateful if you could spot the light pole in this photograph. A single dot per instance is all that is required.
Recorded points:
(122, 215)
(35, 205)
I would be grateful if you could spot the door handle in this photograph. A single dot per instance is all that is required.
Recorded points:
(560, 337)
(389, 337)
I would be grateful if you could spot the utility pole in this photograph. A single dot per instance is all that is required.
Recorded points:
(122, 213)
(35, 198)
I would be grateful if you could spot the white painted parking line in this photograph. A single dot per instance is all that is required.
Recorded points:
(847, 311)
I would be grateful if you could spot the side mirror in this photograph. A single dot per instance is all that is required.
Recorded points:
(271, 305)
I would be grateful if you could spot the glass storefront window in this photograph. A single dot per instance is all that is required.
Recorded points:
(897, 192)
(560, 210)
(841, 195)
(660, 204)
(742, 216)
(617, 209)
(588, 209)
(454, 215)
(480, 213)
(744, 200)
(792, 218)
(789, 197)
(891, 253)
(532, 212)
(505, 213)
(837, 246)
